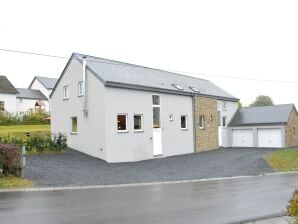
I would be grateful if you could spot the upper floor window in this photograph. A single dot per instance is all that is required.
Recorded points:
(202, 122)
(224, 105)
(218, 105)
(184, 122)
(81, 88)
(1, 105)
(155, 100)
(65, 92)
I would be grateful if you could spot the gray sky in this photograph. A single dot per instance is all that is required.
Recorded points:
(255, 39)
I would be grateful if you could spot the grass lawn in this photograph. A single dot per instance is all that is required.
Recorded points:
(14, 182)
(21, 130)
(284, 160)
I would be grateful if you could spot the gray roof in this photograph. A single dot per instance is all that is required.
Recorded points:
(120, 74)
(6, 86)
(262, 115)
(30, 94)
(49, 83)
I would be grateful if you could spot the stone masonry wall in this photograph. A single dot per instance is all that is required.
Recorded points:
(207, 138)
(291, 131)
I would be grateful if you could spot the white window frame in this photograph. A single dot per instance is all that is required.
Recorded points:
(65, 92)
(178, 86)
(71, 128)
(224, 105)
(158, 106)
(81, 88)
(142, 123)
(126, 120)
(203, 123)
(186, 122)
(218, 105)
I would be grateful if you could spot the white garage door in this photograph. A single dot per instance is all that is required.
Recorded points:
(271, 137)
(243, 138)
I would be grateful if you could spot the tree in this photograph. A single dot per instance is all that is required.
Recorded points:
(262, 101)
(240, 104)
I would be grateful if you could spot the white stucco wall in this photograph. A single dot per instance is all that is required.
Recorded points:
(229, 111)
(90, 138)
(25, 105)
(37, 85)
(10, 103)
(132, 146)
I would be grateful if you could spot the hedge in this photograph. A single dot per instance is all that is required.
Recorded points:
(28, 118)
(10, 158)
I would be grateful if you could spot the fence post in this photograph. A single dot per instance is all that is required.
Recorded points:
(23, 161)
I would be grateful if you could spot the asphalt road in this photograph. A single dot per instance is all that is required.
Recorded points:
(216, 201)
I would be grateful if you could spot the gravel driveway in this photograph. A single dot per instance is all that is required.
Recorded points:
(74, 168)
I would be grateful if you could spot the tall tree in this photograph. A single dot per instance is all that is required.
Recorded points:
(262, 101)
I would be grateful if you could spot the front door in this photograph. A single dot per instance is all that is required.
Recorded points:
(157, 130)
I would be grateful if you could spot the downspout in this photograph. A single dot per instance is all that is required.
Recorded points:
(85, 98)
(194, 122)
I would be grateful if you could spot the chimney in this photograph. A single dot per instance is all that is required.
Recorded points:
(85, 99)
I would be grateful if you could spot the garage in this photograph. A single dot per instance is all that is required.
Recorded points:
(242, 138)
(270, 137)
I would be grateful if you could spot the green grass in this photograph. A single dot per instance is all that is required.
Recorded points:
(284, 160)
(21, 130)
(14, 182)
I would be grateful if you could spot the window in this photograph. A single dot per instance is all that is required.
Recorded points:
(155, 100)
(218, 118)
(21, 100)
(202, 122)
(156, 111)
(224, 105)
(74, 125)
(122, 122)
(1, 105)
(81, 88)
(65, 92)
(194, 89)
(183, 122)
(177, 86)
(138, 122)
(218, 105)
(224, 121)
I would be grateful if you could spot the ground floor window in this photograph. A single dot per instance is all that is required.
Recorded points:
(138, 122)
(74, 124)
(224, 121)
(184, 122)
(202, 122)
(1, 105)
(122, 122)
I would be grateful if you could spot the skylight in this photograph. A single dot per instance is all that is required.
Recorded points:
(194, 89)
(177, 86)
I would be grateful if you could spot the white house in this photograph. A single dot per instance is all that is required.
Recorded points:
(121, 112)
(7, 95)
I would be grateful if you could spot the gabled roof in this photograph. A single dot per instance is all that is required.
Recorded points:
(6, 86)
(30, 94)
(124, 75)
(266, 115)
(48, 83)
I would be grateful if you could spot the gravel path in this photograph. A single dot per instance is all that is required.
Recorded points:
(74, 168)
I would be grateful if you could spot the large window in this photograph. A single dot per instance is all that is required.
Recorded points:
(81, 88)
(202, 122)
(184, 122)
(122, 123)
(138, 122)
(74, 125)
(1, 105)
(156, 111)
(65, 92)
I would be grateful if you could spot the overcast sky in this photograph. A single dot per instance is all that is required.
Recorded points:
(254, 39)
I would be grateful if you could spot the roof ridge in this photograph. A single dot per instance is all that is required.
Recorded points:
(277, 105)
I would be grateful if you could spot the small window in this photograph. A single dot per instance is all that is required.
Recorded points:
(65, 92)
(223, 105)
(156, 117)
(218, 118)
(138, 122)
(194, 89)
(224, 121)
(218, 105)
(202, 122)
(1, 105)
(155, 100)
(122, 122)
(81, 88)
(21, 100)
(74, 125)
(183, 122)
(177, 86)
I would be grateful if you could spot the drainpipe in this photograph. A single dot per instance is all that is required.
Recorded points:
(194, 122)
(85, 97)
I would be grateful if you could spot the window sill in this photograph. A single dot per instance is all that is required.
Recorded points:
(183, 129)
(66, 98)
(124, 131)
(74, 133)
(138, 131)
(201, 128)
(80, 95)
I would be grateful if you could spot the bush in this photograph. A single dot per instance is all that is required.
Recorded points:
(293, 205)
(9, 158)
(39, 143)
(28, 118)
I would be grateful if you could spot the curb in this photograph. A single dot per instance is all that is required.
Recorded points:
(34, 189)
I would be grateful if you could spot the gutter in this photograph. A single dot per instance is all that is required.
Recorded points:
(194, 122)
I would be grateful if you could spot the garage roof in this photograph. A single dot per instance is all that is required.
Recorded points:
(266, 115)
(30, 94)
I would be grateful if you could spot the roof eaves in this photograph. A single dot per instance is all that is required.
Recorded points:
(256, 124)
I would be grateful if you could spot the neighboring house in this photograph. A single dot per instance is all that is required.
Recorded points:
(269, 126)
(121, 112)
(44, 84)
(7, 95)
(31, 100)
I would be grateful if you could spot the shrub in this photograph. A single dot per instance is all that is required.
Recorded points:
(28, 118)
(293, 205)
(9, 158)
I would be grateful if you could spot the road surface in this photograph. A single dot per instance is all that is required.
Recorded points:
(215, 201)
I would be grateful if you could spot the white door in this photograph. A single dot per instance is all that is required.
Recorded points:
(270, 137)
(157, 130)
(157, 141)
(242, 138)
